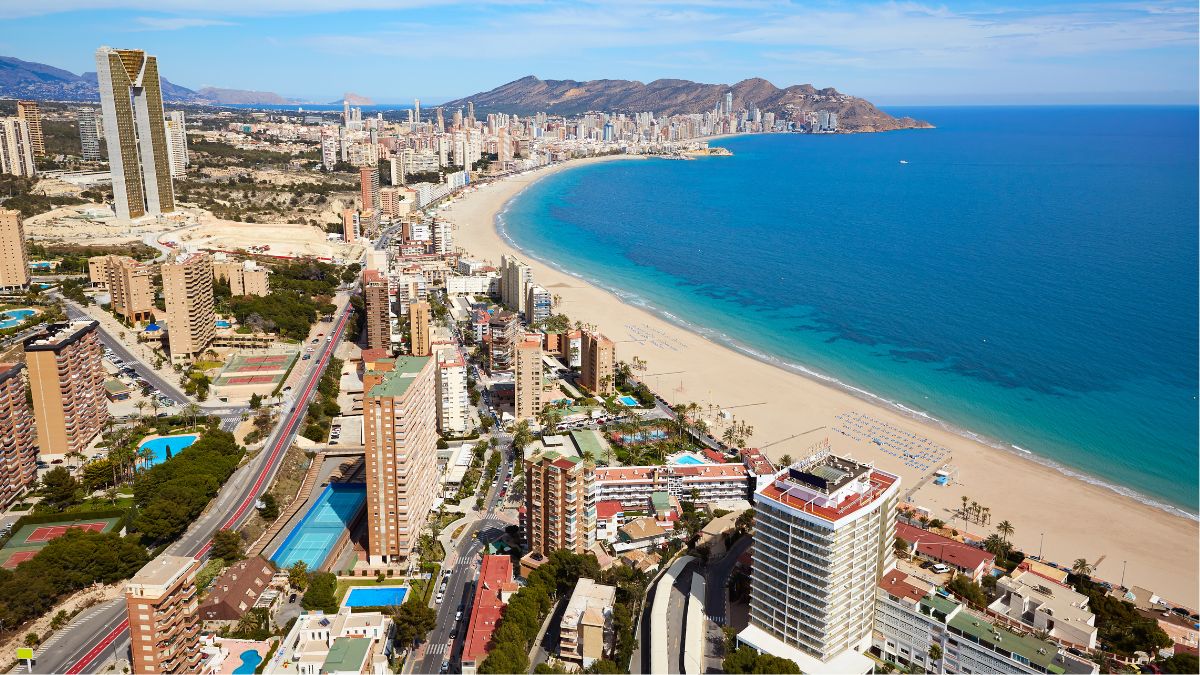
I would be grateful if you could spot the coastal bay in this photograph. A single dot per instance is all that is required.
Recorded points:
(1079, 519)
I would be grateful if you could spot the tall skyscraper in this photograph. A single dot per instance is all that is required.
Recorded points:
(597, 354)
(16, 148)
(131, 98)
(728, 103)
(441, 120)
(368, 177)
(471, 113)
(14, 261)
(177, 143)
(417, 110)
(188, 292)
(419, 315)
(527, 378)
(164, 621)
(400, 439)
(89, 135)
(514, 276)
(378, 308)
(66, 378)
(32, 114)
(559, 512)
(345, 113)
(823, 538)
(18, 462)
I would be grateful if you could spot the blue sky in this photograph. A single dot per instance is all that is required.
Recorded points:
(392, 50)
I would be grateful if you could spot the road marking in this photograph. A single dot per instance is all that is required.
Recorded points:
(100, 647)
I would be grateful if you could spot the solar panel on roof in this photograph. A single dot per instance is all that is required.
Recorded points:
(828, 473)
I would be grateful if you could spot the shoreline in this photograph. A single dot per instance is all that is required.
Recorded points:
(1086, 516)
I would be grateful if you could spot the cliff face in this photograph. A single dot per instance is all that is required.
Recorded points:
(670, 97)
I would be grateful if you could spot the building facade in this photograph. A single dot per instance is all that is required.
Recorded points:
(16, 148)
(378, 309)
(419, 326)
(368, 177)
(131, 100)
(66, 378)
(597, 357)
(89, 134)
(453, 401)
(514, 276)
(538, 303)
(188, 292)
(18, 454)
(164, 624)
(585, 633)
(32, 114)
(633, 486)
(527, 377)
(400, 432)
(177, 149)
(560, 512)
(130, 286)
(14, 260)
(245, 277)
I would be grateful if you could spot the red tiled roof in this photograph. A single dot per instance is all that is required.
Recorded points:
(880, 482)
(944, 549)
(711, 471)
(608, 508)
(896, 583)
(495, 574)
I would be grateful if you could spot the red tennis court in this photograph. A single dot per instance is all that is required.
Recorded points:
(250, 379)
(49, 532)
(19, 557)
(265, 359)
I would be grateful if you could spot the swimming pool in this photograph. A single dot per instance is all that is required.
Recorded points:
(687, 460)
(14, 317)
(644, 436)
(313, 538)
(250, 660)
(160, 445)
(628, 401)
(377, 596)
(223, 324)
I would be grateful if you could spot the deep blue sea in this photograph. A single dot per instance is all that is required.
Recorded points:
(1029, 275)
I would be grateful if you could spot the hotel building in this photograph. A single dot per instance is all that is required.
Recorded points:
(419, 327)
(164, 624)
(634, 485)
(822, 540)
(400, 430)
(32, 114)
(66, 378)
(130, 286)
(187, 289)
(14, 261)
(16, 148)
(131, 99)
(18, 455)
(597, 354)
(560, 512)
(527, 377)
(378, 308)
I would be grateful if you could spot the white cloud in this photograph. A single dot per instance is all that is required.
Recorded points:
(176, 22)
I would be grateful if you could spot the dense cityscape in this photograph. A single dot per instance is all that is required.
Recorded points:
(265, 412)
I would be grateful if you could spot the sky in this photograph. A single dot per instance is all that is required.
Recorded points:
(894, 53)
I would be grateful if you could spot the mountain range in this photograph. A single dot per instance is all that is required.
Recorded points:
(670, 97)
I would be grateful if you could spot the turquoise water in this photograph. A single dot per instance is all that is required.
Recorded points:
(1029, 275)
(15, 317)
(688, 460)
(159, 447)
(222, 324)
(382, 596)
(628, 401)
(250, 660)
(316, 534)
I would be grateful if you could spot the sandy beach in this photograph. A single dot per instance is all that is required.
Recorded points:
(1157, 549)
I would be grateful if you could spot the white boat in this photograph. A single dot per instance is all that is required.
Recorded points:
(904, 161)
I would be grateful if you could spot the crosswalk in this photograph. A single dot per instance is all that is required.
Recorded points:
(718, 619)
(439, 648)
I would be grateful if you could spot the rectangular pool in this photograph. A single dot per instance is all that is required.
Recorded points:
(628, 401)
(688, 460)
(316, 534)
(376, 596)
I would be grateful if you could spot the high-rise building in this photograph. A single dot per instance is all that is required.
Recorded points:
(18, 462)
(537, 303)
(417, 110)
(400, 432)
(378, 309)
(419, 316)
(131, 98)
(32, 114)
(89, 135)
(728, 103)
(369, 188)
(527, 376)
(66, 378)
(597, 354)
(16, 148)
(514, 275)
(559, 513)
(131, 286)
(443, 237)
(471, 113)
(164, 624)
(177, 143)
(245, 277)
(823, 536)
(14, 260)
(504, 330)
(453, 402)
(187, 289)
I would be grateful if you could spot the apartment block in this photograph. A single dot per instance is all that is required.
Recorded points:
(560, 512)
(32, 115)
(537, 304)
(822, 540)
(16, 148)
(177, 151)
(1044, 605)
(586, 630)
(89, 134)
(14, 261)
(633, 486)
(187, 288)
(419, 326)
(378, 308)
(164, 624)
(66, 379)
(400, 430)
(527, 376)
(336, 644)
(245, 277)
(130, 286)
(597, 357)
(514, 276)
(453, 400)
(18, 454)
(369, 188)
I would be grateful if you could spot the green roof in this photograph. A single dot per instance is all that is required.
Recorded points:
(346, 655)
(940, 603)
(117, 386)
(589, 444)
(661, 500)
(997, 637)
(396, 382)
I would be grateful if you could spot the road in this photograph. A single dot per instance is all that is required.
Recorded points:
(102, 633)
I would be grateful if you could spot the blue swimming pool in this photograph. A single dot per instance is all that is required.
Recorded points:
(14, 317)
(378, 596)
(317, 533)
(159, 446)
(222, 324)
(628, 401)
(250, 660)
(687, 460)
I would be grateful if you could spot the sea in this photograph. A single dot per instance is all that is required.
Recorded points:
(1023, 275)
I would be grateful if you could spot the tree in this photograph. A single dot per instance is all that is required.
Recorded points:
(413, 619)
(255, 401)
(227, 545)
(270, 509)
(298, 575)
(786, 460)
(746, 660)
(935, 652)
(1005, 529)
(1082, 567)
(745, 522)
(1181, 663)
(900, 547)
(60, 490)
(321, 593)
(968, 590)
(255, 624)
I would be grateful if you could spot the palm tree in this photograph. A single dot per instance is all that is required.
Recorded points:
(154, 405)
(1082, 567)
(191, 410)
(1006, 529)
(141, 408)
(987, 515)
(786, 460)
(964, 508)
(995, 545)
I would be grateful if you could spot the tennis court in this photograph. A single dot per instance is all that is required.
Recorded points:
(18, 557)
(27, 541)
(318, 532)
(264, 369)
(45, 533)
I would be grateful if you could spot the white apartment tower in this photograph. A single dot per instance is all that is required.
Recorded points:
(453, 401)
(822, 540)
(89, 134)
(177, 143)
(16, 148)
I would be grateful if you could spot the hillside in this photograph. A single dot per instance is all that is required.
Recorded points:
(670, 97)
